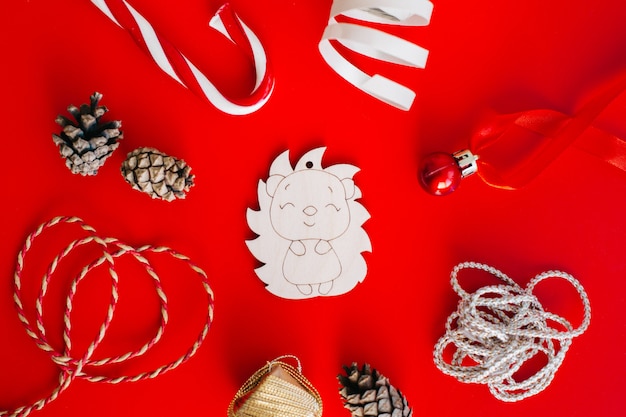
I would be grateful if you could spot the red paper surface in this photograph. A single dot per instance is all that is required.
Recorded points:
(484, 56)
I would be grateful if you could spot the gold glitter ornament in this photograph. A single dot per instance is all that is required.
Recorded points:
(277, 389)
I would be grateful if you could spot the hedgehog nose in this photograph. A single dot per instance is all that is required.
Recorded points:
(310, 210)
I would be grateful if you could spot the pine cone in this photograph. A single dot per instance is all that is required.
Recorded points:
(157, 174)
(87, 143)
(367, 393)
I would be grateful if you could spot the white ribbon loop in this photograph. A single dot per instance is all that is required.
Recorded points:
(376, 44)
(179, 67)
(395, 12)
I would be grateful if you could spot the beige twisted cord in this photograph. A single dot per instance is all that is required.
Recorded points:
(73, 365)
(499, 328)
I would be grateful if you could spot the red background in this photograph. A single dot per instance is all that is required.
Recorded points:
(484, 56)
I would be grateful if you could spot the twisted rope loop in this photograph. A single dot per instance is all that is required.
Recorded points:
(376, 44)
(499, 328)
(70, 366)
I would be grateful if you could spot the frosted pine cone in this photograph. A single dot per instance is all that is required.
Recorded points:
(157, 174)
(87, 142)
(367, 393)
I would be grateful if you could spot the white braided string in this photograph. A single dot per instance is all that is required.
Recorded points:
(499, 328)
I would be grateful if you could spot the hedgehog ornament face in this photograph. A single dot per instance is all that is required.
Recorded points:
(309, 204)
(309, 226)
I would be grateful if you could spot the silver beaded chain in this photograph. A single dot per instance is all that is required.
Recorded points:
(499, 328)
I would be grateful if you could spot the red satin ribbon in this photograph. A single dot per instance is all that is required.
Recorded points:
(514, 148)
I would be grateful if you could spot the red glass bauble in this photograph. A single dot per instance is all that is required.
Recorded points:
(440, 173)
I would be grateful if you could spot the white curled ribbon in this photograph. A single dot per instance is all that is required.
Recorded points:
(376, 44)
(177, 66)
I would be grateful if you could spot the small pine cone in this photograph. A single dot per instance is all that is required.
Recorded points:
(157, 174)
(367, 393)
(87, 142)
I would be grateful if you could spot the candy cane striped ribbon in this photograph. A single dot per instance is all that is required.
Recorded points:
(376, 44)
(181, 69)
(82, 366)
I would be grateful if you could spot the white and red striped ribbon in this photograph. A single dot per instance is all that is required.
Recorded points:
(180, 68)
(376, 44)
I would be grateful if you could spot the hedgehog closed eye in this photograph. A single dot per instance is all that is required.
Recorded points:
(333, 206)
(286, 204)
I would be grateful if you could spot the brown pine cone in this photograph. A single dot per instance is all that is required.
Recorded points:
(368, 393)
(86, 142)
(157, 174)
